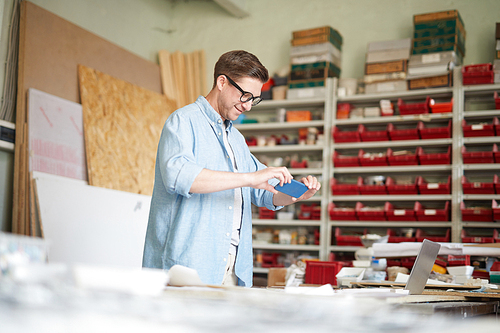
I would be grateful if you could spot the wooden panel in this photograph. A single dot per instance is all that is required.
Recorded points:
(50, 49)
(122, 126)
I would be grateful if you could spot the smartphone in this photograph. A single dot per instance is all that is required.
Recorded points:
(294, 189)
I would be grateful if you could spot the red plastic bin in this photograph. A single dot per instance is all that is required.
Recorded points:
(459, 260)
(496, 183)
(496, 153)
(496, 210)
(478, 187)
(466, 238)
(343, 189)
(402, 134)
(373, 135)
(478, 74)
(497, 100)
(401, 189)
(441, 107)
(344, 160)
(433, 158)
(310, 212)
(426, 214)
(347, 240)
(433, 188)
(371, 189)
(341, 213)
(266, 214)
(369, 213)
(399, 214)
(394, 238)
(322, 272)
(475, 157)
(414, 108)
(345, 136)
(481, 129)
(298, 165)
(408, 158)
(426, 133)
(476, 214)
(421, 235)
(379, 159)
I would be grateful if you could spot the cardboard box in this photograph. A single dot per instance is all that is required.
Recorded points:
(316, 40)
(438, 48)
(436, 58)
(388, 55)
(373, 78)
(388, 86)
(325, 30)
(306, 92)
(431, 82)
(438, 28)
(314, 49)
(386, 67)
(317, 70)
(389, 45)
(437, 16)
(428, 42)
(276, 277)
(312, 58)
(301, 115)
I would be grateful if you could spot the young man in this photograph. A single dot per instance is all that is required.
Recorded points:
(206, 180)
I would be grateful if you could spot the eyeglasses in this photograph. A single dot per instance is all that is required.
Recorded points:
(245, 95)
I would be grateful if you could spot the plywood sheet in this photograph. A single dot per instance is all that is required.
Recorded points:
(50, 49)
(122, 126)
(91, 225)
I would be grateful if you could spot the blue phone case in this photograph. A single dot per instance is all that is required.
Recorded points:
(294, 189)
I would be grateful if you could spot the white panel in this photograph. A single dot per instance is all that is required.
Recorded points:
(91, 225)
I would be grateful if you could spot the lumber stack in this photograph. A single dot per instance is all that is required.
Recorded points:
(183, 75)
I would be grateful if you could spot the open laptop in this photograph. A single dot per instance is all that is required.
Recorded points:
(420, 272)
(422, 267)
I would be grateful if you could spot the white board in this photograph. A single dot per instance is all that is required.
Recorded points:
(56, 141)
(91, 225)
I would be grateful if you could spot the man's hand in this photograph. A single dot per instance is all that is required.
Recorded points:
(259, 179)
(281, 199)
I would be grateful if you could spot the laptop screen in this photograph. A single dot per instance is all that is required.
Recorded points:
(422, 267)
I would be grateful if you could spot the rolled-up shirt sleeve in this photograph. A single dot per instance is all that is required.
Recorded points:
(175, 156)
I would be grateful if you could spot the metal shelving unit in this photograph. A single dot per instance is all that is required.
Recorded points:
(461, 96)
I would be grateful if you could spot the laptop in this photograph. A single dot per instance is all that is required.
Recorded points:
(420, 272)
(422, 267)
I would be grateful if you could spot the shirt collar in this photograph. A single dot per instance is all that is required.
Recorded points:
(213, 116)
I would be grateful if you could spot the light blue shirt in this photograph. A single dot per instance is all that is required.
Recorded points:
(191, 229)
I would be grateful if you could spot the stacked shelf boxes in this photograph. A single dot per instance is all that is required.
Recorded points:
(315, 55)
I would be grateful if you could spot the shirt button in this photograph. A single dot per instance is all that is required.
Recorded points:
(219, 133)
(225, 259)
(227, 234)
(219, 121)
(230, 207)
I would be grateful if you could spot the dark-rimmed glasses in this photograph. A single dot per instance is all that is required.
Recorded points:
(245, 95)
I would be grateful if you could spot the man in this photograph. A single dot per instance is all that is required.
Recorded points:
(206, 180)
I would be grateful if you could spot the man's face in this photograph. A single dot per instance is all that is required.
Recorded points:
(230, 105)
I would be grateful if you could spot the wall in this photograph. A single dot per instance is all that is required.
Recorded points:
(146, 26)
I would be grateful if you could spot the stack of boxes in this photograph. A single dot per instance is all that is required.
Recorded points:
(438, 46)
(386, 64)
(315, 56)
(496, 62)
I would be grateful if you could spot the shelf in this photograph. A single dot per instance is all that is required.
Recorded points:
(390, 197)
(305, 171)
(481, 197)
(396, 143)
(481, 87)
(285, 148)
(385, 169)
(393, 119)
(393, 224)
(284, 103)
(481, 224)
(279, 126)
(335, 248)
(286, 247)
(486, 166)
(261, 270)
(296, 223)
(481, 114)
(435, 92)
(482, 140)
(6, 146)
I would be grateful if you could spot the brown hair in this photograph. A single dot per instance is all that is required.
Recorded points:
(238, 64)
